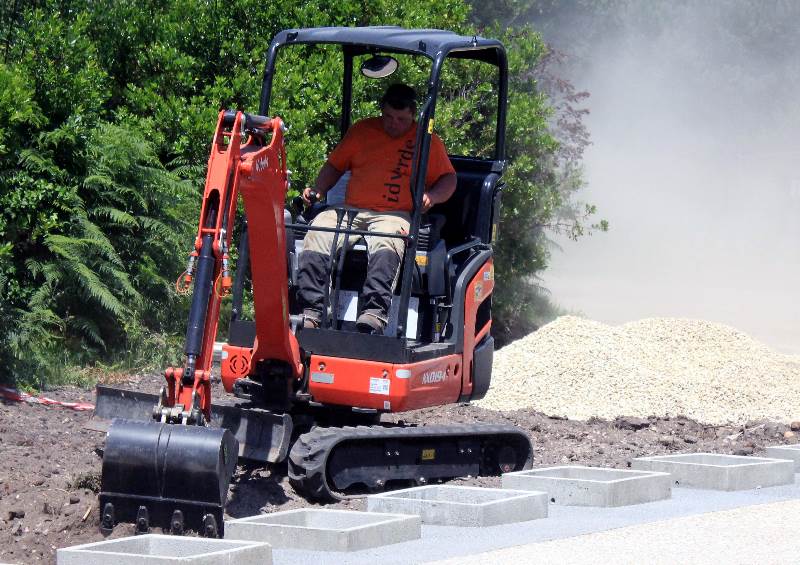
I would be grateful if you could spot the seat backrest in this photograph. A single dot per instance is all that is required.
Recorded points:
(472, 209)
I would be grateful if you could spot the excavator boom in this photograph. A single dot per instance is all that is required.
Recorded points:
(169, 458)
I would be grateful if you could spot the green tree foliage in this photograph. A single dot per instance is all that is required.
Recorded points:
(106, 114)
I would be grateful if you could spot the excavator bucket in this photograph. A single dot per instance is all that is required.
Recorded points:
(176, 476)
(166, 475)
(262, 435)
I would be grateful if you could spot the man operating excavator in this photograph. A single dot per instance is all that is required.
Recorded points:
(378, 152)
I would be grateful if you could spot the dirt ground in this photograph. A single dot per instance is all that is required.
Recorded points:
(50, 465)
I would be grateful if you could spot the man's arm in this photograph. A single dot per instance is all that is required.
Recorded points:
(327, 177)
(441, 191)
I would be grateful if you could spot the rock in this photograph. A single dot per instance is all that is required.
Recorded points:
(743, 451)
(631, 423)
(16, 513)
(38, 482)
(690, 439)
(48, 508)
(74, 499)
(17, 530)
(788, 435)
(666, 440)
(795, 426)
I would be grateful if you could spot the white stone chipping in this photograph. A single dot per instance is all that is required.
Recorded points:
(706, 371)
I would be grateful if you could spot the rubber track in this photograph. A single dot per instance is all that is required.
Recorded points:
(309, 455)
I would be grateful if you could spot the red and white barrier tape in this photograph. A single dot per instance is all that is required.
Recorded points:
(19, 396)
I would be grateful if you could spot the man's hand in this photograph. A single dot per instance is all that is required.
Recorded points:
(310, 196)
(441, 190)
(427, 202)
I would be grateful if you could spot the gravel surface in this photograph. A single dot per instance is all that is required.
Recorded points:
(654, 367)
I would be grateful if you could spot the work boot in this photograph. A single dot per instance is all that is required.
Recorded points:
(312, 319)
(370, 323)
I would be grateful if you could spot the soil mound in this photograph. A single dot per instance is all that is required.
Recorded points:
(654, 367)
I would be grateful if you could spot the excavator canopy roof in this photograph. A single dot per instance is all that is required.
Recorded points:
(426, 42)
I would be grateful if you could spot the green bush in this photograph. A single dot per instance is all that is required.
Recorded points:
(106, 114)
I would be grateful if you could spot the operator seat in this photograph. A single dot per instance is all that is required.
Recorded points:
(474, 209)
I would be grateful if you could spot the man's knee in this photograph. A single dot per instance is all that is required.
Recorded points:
(321, 241)
(388, 223)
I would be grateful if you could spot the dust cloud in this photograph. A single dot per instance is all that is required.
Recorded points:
(695, 125)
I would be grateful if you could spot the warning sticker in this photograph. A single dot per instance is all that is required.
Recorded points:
(379, 386)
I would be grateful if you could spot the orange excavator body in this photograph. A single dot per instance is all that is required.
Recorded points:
(170, 457)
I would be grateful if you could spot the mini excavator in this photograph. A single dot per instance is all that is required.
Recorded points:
(313, 397)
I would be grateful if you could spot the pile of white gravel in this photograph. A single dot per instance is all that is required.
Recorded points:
(709, 372)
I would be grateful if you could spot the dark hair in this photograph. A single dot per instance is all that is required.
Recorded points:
(400, 96)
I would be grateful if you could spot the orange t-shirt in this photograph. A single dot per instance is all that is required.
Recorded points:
(380, 166)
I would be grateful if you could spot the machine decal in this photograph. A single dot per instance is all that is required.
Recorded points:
(239, 365)
(478, 291)
(379, 386)
(428, 454)
(432, 377)
(324, 378)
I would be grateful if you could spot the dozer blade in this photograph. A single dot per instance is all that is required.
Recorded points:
(166, 475)
(262, 435)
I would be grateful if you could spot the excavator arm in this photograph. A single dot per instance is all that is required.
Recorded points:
(169, 465)
(243, 161)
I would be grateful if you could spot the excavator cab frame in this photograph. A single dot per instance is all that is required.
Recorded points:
(437, 46)
(470, 218)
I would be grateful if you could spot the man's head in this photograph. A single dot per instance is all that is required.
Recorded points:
(398, 107)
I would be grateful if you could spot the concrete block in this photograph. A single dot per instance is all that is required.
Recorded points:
(325, 530)
(791, 452)
(154, 549)
(719, 472)
(462, 506)
(575, 485)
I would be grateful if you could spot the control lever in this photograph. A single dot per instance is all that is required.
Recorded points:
(299, 207)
